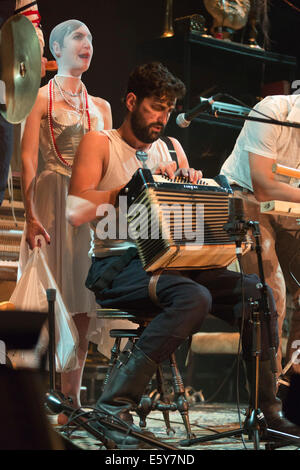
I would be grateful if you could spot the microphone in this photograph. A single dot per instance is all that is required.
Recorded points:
(236, 210)
(184, 119)
(236, 227)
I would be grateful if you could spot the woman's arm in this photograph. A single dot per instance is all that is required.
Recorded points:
(105, 110)
(107, 116)
(29, 158)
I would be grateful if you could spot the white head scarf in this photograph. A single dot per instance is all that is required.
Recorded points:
(62, 30)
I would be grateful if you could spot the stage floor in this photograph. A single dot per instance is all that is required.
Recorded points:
(205, 418)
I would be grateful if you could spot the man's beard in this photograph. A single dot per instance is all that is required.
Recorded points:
(142, 132)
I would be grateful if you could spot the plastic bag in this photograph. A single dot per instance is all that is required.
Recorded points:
(30, 294)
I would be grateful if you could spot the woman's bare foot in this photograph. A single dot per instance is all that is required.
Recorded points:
(62, 419)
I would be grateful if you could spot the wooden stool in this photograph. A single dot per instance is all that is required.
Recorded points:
(149, 400)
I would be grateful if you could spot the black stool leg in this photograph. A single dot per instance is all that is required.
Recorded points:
(180, 399)
(148, 401)
(163, 398)
(145, 406)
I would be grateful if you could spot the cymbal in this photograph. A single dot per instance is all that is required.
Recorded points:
(20, 67)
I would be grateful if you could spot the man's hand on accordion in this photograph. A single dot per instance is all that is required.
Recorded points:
(169, 169)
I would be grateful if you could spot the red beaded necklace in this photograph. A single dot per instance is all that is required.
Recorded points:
(50, 120)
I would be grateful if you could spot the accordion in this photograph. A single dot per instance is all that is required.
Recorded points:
(179, 225)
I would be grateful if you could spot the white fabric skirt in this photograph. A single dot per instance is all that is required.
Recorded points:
(67, 256)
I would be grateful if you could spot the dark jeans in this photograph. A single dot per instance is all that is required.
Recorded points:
(6, 149)
(185, 298)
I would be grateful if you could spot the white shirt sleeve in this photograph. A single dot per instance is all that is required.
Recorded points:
(261, 138)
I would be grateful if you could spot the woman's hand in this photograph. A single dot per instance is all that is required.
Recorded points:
(35, 229)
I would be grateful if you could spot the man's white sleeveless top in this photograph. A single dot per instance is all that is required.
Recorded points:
(121, 167)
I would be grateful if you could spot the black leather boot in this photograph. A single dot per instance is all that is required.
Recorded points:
(123, 392)
(268, 403)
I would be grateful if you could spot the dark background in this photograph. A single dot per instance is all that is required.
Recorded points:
(119, 27)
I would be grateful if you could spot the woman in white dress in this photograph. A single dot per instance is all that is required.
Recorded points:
(62, 114)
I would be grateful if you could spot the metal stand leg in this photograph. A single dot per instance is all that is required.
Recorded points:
(51, 296)
(255, 422)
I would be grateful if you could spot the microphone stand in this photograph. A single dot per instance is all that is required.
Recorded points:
(255, 425)
(233, 111)
(56, 403)
(51, 296)
(240, 112)
(262, 120)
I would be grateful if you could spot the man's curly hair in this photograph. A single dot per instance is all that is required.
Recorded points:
(154, 79)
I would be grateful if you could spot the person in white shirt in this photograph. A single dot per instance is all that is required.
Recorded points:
(249, 170)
